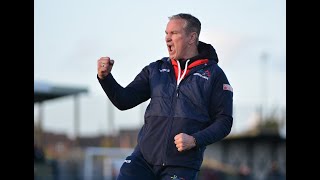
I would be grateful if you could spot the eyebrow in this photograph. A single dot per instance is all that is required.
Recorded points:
(174, 31)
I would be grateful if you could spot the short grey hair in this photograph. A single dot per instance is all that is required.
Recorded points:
(193, 24)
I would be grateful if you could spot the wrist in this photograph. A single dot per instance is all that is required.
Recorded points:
(102, 76)
(194, 141)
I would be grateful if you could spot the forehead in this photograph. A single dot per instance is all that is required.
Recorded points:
(176, 25)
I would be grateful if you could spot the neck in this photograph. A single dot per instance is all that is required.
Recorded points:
(191, 52)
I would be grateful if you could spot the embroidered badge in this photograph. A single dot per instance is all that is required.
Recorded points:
(164, 70)
(175, 177)
(227, 87)
(204, 74)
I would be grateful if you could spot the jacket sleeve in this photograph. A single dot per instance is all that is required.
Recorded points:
(135, 93)
(220, 111)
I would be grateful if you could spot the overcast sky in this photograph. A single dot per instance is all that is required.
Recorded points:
(70, 36)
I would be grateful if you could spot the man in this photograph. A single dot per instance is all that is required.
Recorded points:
(190, 108)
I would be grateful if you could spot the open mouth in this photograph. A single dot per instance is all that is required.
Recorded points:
(170, 48)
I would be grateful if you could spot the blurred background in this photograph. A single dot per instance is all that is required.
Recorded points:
(80, 135)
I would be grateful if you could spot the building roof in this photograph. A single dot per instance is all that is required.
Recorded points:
(45, 91)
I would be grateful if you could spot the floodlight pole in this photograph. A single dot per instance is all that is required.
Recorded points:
(76, 119)
(40, 128)
(110, 115)
(264, 85)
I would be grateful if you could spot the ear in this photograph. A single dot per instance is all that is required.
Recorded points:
(193, 37)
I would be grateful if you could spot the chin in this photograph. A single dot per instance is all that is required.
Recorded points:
(172, 56)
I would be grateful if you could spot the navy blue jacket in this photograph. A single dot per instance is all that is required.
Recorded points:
(201, 106)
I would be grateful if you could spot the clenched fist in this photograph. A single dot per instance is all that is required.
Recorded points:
(184, 142)
(104, 65)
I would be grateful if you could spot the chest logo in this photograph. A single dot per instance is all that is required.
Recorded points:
(203, 73)
(164, 70)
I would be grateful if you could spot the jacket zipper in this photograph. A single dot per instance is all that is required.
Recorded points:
(177, 90)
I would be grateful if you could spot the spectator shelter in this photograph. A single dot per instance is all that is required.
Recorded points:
(44, 91)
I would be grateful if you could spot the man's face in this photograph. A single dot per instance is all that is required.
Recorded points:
(177, 39)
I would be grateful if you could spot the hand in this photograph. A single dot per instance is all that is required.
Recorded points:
(184, 142)
(104, 65)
